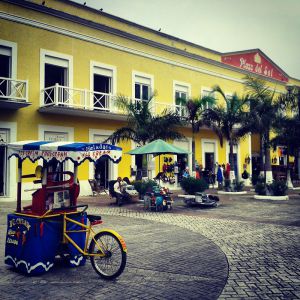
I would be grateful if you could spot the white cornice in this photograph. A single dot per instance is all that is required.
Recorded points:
(105, 43)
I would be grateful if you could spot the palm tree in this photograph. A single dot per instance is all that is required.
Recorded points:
(291, 101)
(287, 132)
(263, 112)
(226, 121)
(193, 113)
(144, 127)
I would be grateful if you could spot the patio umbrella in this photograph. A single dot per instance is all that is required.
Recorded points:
(157, 147)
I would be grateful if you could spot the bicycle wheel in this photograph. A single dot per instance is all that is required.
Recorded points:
(113, 263)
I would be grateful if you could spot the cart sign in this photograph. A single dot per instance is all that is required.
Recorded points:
(255, 62)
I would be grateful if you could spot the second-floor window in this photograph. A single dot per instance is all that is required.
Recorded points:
(56, 72)
(102, 87)
(5, 69)
(207, 92)
(142, 88)
(56, 77)
(181, 92)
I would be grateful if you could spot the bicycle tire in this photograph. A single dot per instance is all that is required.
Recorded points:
(104, 266)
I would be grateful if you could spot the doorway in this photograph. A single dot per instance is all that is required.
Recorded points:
(101, 172)
(209, 161)
(5, 71)
(102, 84)
(55, 75)
(141, 166)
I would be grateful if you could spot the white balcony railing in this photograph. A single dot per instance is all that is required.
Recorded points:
(58, 95)
(13, 89)
(160, 107)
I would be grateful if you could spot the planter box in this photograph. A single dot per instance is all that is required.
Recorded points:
(271, 197)
(232, 193)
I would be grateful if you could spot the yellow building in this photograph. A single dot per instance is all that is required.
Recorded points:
(62, 63)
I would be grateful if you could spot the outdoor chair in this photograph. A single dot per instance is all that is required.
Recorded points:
(97, 189)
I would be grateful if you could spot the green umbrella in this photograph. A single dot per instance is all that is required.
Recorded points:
(157, 147)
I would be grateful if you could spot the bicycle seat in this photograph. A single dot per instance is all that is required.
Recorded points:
(93, 218)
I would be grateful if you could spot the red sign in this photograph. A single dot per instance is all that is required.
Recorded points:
(256, 63)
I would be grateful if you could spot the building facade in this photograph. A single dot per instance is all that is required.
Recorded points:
(62, 64)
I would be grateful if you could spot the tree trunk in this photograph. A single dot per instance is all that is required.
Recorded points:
(268, 167)
(193, 154)
(288, 172)
(261, 163)
(298, 165)
(231, 161)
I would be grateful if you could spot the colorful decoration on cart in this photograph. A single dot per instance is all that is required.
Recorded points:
(62, 151)
(32, 243)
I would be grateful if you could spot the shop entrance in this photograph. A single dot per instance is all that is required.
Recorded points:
(102, 172)
(209, 161)
(141, 166)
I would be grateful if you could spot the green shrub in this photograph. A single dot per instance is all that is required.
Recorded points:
(192, 185)
(278, 188)
(142, 186)
(237, 186)
(261, 187)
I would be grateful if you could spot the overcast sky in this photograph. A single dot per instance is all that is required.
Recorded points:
(222, 25)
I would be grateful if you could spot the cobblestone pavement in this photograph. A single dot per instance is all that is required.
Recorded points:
(164, 262)
(262, 249)
(264, 259)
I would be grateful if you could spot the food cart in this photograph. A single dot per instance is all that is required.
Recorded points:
(54, 224)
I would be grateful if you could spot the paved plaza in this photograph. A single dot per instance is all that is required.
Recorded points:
(243, 249)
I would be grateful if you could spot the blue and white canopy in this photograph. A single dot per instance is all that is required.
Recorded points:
(62, 151)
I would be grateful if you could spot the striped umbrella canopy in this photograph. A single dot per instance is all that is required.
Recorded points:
(62, 151)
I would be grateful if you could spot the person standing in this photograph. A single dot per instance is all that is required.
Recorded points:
(220, 176)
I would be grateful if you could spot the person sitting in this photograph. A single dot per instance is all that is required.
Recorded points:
(119, 189)
(186, 173)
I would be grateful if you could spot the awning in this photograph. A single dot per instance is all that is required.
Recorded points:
(62, 151)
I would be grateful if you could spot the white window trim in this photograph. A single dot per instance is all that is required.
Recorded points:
(103, 66)
(189, 140)
(141, 74)
(184, 84)
(43, 54)
(62, 129)
(113, 167)
(204, 88)
(214, 141)
(228, 95)
(14, 58)
(113, 79)
(208, 89)
(11, 164)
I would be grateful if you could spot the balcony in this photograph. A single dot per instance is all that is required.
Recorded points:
(81, 102)
(13, 93)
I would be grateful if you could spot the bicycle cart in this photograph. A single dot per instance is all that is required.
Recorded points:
(54, 224)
